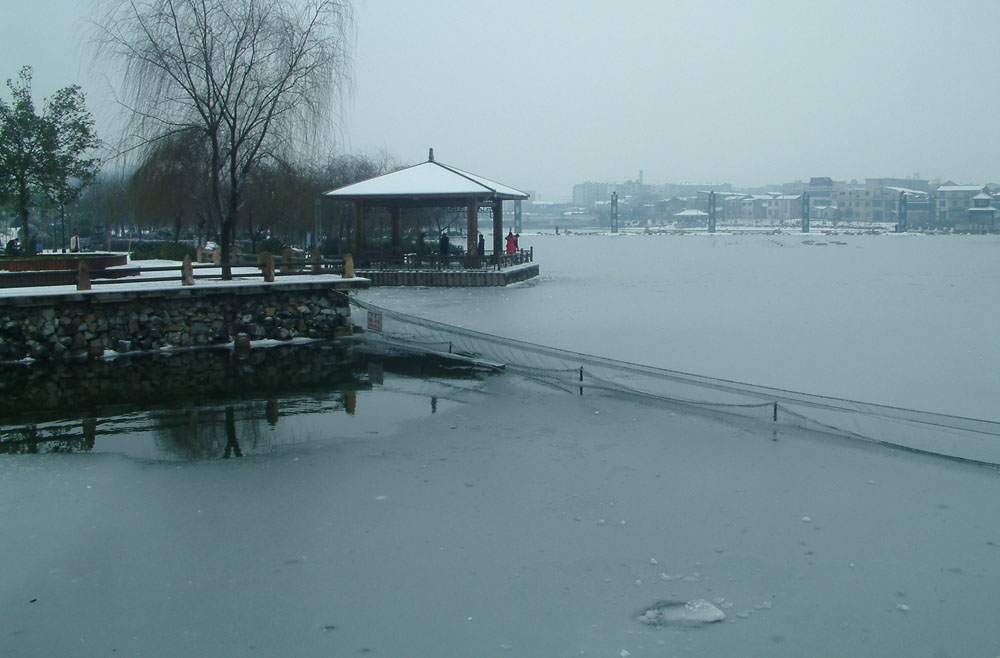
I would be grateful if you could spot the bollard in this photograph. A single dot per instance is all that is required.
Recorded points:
(268, 267)
(82, 276)
(187, 272)
(286, 261)
(242, 343)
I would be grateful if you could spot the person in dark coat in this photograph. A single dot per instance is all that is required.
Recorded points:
(444, 248)
(481, 247)
(421, 247)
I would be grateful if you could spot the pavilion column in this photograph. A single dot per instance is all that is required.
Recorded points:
(471, 234)
(397, 243)
(359, 232)
(497, 230)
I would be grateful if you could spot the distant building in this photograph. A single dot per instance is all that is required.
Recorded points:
(954, 201)
(915, 184)
(589, 193)
(860, 203)
(982, 215)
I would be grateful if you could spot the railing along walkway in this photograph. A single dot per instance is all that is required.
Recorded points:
(434, 261)
(83, 278)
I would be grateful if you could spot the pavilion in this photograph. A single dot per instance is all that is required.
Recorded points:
(429, 184)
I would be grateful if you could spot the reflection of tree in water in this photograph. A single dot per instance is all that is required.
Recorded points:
(211, 432)
(232, 442)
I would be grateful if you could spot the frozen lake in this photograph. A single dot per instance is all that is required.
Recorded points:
(904, 320)
(521, 520)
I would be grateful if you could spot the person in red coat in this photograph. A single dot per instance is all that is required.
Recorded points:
(511, 243)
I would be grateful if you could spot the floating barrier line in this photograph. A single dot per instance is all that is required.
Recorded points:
(969, 439)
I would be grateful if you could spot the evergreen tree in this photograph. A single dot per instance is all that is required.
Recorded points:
(42, 156)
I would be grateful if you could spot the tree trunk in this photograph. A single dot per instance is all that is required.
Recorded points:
(26, 247)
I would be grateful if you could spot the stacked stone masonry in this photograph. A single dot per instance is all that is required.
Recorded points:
(57, 326)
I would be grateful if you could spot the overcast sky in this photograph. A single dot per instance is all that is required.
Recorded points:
(543, 94)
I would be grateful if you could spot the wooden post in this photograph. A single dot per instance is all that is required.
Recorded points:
(348, 266)
(497, 230)
(82, 276)
(397, 235)
(359, 230)
(187, 272)
(286, 261)
(316, 257)
(268, 267)
(242, 342)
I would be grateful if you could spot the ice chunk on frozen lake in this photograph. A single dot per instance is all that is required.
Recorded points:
(694, 612)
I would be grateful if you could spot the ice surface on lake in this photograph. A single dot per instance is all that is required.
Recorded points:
(475, 530)
(889, 319)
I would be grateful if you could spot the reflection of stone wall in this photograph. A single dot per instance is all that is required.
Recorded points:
(40, 393)
(52, 326)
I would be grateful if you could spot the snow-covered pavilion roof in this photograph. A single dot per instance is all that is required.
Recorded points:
(427, 180)
(691, 213)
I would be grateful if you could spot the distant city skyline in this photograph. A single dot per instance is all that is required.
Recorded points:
(541, 96)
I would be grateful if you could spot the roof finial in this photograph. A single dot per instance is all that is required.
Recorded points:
(430, 155)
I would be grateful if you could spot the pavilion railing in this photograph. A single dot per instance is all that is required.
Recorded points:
(434, 261)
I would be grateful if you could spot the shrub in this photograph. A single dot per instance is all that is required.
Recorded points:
(168, 251)
(273, 246)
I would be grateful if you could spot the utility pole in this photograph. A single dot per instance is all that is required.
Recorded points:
(805, 212)
(614, 212)
(711, 211)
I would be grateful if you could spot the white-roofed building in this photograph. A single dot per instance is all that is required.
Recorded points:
(428, 184)
(954, 202)
(982, 215)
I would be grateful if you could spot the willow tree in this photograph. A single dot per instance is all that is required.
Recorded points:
(258, 78)
(170, 184)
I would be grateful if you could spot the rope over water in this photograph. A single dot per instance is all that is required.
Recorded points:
(957, 437)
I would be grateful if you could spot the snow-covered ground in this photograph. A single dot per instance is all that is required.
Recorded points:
(520, 520)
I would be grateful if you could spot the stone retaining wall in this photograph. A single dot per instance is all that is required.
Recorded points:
(52, 326)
